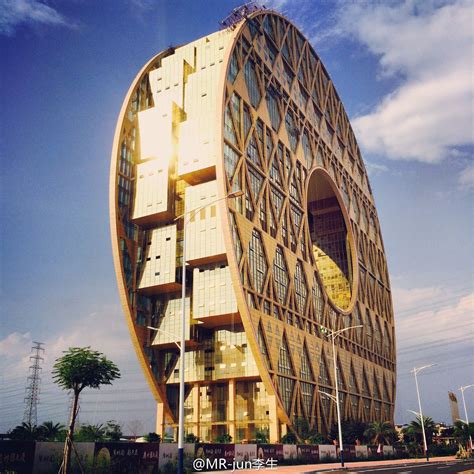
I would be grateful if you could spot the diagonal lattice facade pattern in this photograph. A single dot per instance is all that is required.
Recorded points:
(252, 109)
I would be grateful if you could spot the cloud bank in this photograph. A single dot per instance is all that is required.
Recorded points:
(14, 13)
(434, 325)
(429, 115)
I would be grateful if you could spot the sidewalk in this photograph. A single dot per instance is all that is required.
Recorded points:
(349, 466)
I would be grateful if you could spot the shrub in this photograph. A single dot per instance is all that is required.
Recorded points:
(153, 438)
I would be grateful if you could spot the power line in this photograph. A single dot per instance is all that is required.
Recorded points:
(435, 305)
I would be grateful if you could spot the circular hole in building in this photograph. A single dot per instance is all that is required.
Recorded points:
(331, 241)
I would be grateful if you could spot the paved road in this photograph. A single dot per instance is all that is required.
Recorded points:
(450, 467)
(445, 465)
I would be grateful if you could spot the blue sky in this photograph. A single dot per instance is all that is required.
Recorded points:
(404, 72)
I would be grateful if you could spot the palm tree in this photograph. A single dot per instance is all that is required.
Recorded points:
(91, 433)
(25, 432)
(413, 432)
(352, 432)
(303, 433)
(51, 431)
(462, 431)
(380, 432)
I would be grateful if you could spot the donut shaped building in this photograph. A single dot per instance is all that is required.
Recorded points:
(238, 144)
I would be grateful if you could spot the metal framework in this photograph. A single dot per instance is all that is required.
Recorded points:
(33, 384)
(239, 13)
(300, 250)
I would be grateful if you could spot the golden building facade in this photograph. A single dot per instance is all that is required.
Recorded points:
(249, 109)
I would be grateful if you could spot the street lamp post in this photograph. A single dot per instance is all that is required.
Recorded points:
(415, 372)
(333, 335)
(182, 348)
(465, 387)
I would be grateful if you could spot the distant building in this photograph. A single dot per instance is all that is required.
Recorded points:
(453, 404)
(250, 108)
(445, 435)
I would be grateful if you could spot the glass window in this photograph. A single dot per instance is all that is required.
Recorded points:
(308, 152)
(256, 181)
(236, 239)
(235, 101)
(307, 392)
(300, 288)
(286, 387)
(280, 275)
(284, 360)
(297, 217)
(369, 330)
(247, 120)
(257, 261)
(252, 151)
(233, 69)
(306, 372)
(318, 300)
(268, 144)
(252, 83)
(263, 347)
(229, 132)
(323, 372)
(273, 109)
(292, 130)
(230, 160)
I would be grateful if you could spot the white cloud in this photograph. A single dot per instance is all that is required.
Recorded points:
(430, 317)
(104, 331)
(466, 178)
(423, 120)
(374, 168)
(274, 4)
(405, 299)
(143, 5)
(428, 47)
(14, 13)
(13, 344)
(15, 347)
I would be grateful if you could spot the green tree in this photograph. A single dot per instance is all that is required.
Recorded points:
(90, 433)
(50, 431)
(462, 431)
(113, 430)
(380, 432)
(77, 369)
(224, 438)
(289, 438)
(352, 432)
(315, 437)
(261, 436)
(413, 434)
(302, 432)
(25, 432)
(191, 438)
(153, 438)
